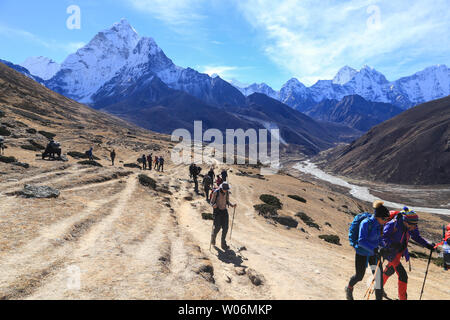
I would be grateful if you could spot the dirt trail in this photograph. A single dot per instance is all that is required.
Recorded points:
(117, 239)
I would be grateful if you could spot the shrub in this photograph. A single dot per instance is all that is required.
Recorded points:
(132, 165)
(7, 159)
(307, 220)
(31, 130)
(286, 221)
(80, 155)
(266, 210)
(90, 163)
(4, 132)
(207, 216)
(331, 238)
(298, 198)
(48, 135)
(33, 146)
(271, 200)
(147, 181)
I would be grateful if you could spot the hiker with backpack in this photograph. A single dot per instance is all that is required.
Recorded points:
(365, 237)
(211, 173)
(224, 175)
(220, 202)
(207, 185)
(396, 235)
(194, 171)
(156, 162)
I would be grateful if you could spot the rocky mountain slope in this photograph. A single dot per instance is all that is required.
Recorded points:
(411, 148)
(353, 111)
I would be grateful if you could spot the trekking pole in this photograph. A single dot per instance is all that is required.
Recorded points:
(232, 223)
(426, 273)
(369, 289)
(212, 230)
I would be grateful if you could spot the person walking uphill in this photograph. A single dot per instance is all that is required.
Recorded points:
(220, 202)
(161, 164)
(144, 162)
(149, 161)
(113, 156)
(365, 237)
(396, 235)
(207, 185)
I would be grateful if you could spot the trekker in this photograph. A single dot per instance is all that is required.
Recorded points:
(113, 156)
(224, 175)
(144, 162)
(207, 185)
(161, 164)
(396, 235)
(195, 172)
(220, 202)
(219, 181)
(2, 145)
(211, 173)
(365, 237)
(191, 170)
(90, 153)
(150, 161)
(156, 162)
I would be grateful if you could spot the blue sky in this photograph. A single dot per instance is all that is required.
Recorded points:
(249, 40)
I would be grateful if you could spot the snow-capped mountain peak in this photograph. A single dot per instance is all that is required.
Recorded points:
(42, 67)
(344, 75)
(85, 71)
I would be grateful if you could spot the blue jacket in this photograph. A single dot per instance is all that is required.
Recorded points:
(369, 236)
(395, 234)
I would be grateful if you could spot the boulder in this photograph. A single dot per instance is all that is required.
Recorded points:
(255, 278)
(31, 191)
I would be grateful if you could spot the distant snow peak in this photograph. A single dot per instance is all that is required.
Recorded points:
(42, 67)
(344, 75)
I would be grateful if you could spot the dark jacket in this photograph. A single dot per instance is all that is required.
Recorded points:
(396, 237)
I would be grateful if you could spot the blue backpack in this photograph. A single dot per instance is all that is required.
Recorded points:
(353, 232)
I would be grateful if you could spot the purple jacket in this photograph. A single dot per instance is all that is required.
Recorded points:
(395, 233)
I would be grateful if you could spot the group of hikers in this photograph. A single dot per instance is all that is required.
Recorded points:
(384, 235)
(148, 162)
(219, 200)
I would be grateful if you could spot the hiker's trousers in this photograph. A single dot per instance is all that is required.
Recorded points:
(360, 268)
(220, 222)
(396, 266)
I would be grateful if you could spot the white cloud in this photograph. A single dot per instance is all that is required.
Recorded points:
(70, 47)
(225, 72)
(313, 39)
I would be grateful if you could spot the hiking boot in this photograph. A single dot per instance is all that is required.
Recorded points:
(349, 293)
(224, 246)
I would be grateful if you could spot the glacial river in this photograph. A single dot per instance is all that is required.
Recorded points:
(359, 192)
